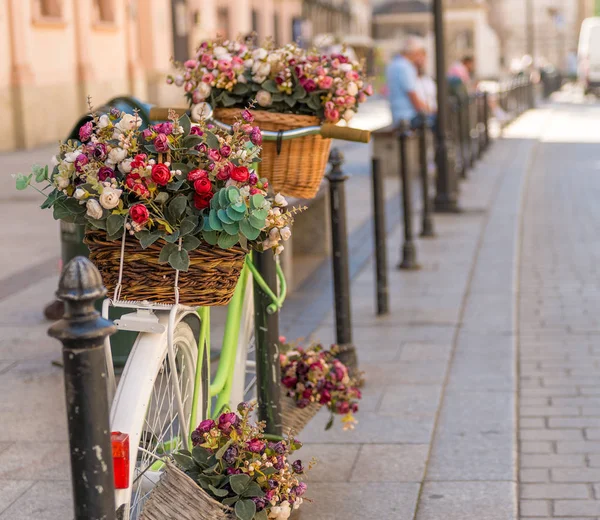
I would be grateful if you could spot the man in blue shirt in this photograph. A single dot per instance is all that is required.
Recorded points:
(401, 74)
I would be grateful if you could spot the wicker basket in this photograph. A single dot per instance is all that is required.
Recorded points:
(294, 419)
(210, 280)
(294, 167)
(178, 497)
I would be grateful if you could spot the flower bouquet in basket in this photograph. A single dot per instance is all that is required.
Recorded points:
(236, 473)
(170, 211)
(290, 87)
(314, 377)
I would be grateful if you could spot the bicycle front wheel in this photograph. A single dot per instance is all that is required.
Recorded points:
(154, 402)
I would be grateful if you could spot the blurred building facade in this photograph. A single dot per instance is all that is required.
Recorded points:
(54, 53)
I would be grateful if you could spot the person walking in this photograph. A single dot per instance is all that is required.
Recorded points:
(402, 75)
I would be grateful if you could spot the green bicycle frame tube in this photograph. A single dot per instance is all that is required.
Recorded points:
(203, 342)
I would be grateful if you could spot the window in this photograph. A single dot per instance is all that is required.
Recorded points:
(104, 11)
(47, 9)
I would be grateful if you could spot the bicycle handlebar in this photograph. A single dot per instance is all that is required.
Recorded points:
(327, 130)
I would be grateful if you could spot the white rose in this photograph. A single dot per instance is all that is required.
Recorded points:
(261, 69)
(110, 198)
(346, 67)
(352, 88)
(203, 90)
(129, 122)
(220, 51)
(245, 191)
(248, 63)
(79, 194)
(260, 54)
(104, 121)
(116, 155)
(62, 182)
(242, 79)
(264, 98)
(125, 166)
(71, 156)
(274, 234)
(349, 114)
(258, 78)
(94, 209)
(179, 80)
(281, 512)
(280, 200)
(285, 233)
(279, 249)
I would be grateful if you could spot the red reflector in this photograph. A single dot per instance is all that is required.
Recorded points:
(120, 453)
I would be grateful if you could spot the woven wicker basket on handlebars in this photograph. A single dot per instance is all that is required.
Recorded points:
(210, 279)
(293, 167)
(294, 419)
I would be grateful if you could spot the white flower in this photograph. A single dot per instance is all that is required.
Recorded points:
(261, 69)
(280, 200)
(104, 121)
(279, 249)
(285, 233)
(116, 155)
(129, 122)
(219, 52)
(349, 114)
(203, 90)
(54, 160)
(245, 191)
(281, 512)
(248, 63)
(125, 166)
(264, 98)
(352, 88)
(267, 244)
(71, 156)
(62, 181)
(274, 234)
(94, 209)
(79, 194)
(179, 80)
(257, 78)
(259, 54)
(346, 67)
(242, 79)
(110, 198)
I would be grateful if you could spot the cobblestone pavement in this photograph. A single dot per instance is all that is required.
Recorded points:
(558, 327)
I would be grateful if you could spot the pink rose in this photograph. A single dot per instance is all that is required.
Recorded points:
(214, 155)
(85, 132)
(332, 115)
(310, 85)
(224, 65)
(225, 172)
(190, 64)
(161, 143)
(350, 100)
(208, 78)
(330, 105)
(325, 82)
(81, 161)
(362, 97)
(206, 59)
(189, 86)
(225, 150)
(340, 92)
(369, 90)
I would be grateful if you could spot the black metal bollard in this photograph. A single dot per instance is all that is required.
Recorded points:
(473, 132)
(486, 120)
(480, 125)
(427, 220)
(266, 327)
(380, 234)
(339, 259)
(461, 140)
(82, 332)
(409, 251)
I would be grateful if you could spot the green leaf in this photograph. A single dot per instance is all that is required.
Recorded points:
(314, 102)
(162, 197)
(227, 241)
(218, 492)
(74, 206)
(239, 483)
(270, 86)
(200, 455)
(98, 224)
(52, 198)
(188, 225)
(299, 92)
(189, 142)
(177, 206)
(240, 89)
(227, 100)
(329, 423)
(185, 461)
(240, 207)
(260, 213)
(257, 201)
(147, 238)
(61, 211)
(233, 194)
(150, 148)
(214, 221)
(210, 237)
(230, 500)
(212, 141)
(243, 242)
(190, 243)
(250, 232)
(185, 169)
(224, 217)
(172, 238)
(185, 122)
(231, 229)
(233, 214)
(180, 260)
(223, 199)
(22, 181)
(166, 252)
(269, 471)
(253, 490)
(261, 515)
(290, 101)
(40, 172)
(256, 222)
(174, 185)
(114, 224)
(223, 449)
(245, 509)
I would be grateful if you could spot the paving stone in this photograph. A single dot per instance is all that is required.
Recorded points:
(385, 501)
(391, 463)
(534, 475)
(11, 490)
(424, 352)
(551, 461)
(42, 501)
(334, 462)
(532, 422)
(592, 434)
(574, 422)
(411, 400)
(537, 447)
(548, 411)
(467, 500)
(575, 475)
(551, 435)
(578, 447)
(554, 491)
(577, 507)
(535, 507)
(35, 461)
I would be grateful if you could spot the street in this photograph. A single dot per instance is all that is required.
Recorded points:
(482, 394)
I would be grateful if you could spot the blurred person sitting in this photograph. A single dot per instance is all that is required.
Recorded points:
(427, 91)
(463, 71)
(401, 74)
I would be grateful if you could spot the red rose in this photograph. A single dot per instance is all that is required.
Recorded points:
(131, 180)
(225, 150)
(196, 174)
(139, 213)
(240, 174)
(203, 185)
(161, 174)
(141, 191)
(224, 173)
(202, 200)
(138, 161)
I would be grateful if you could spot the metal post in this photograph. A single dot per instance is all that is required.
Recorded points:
(460, 138)
(530, 29)
(480, 125)
(339, 260)
(409, 251)
(383, 299)
(473, 135)
(82, 332)
(486, 120)
(427, 221)
(268, 371)
(446, 197)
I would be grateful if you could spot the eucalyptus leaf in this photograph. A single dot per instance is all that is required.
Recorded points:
(243, 242)
(270, 86)
(210, 237)
(245, 509)
(233, 214)
(212, 140)
(257, 201)
(260, 213)
(147, 238)
(150, 148)
(177, 206)
(250, 232)
(233, 194)
(240, 207)
(256, 222)
(185, 461)
(188, 225)
(114, 224)
(240, 89)
(227, 241)
(231, 229)
(218, 492)
(98, 224)
(224, 217)
(253, 490)
(174, 186)
(166, 252)
(22, 181)
(200, 455)
(74, 206)
(40, 172)
(190, 242)
(227, 100)
(214, 221)
(239, 483)
(329, 423)
(180, 260)
(290, 101)
(52, 198)
(185, 169)
(163, 196)
(269, 471)
(173, 237)
(190, 141)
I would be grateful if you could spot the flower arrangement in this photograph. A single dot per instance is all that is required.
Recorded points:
(182, 183)
(288, 79)
(236, 465)
(314, 376)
